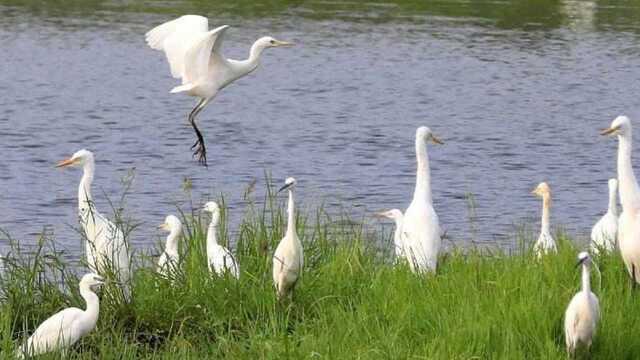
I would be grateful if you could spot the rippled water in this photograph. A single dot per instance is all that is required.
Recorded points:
(518, 93)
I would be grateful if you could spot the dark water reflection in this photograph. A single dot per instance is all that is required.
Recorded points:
(518, 90)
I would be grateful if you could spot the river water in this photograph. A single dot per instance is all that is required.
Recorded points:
(517, 90)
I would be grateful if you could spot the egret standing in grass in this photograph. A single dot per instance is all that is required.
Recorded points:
(605, 231)
(288, 258)
(629, 223)
(546, 243)
(398, 241)
(195, 55)
(583, 312)
(421, 227)
(220, 259)
(66, 327)
(170, 258)
(106, 249)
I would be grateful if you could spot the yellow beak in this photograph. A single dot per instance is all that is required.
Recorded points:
(283, 43)
(436, 140)
(66, 162)
(608, 131)
(163, 226)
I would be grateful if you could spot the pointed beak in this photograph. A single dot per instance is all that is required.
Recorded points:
(436, 140)
(163, 226)
(285, 187)
(608, 131)
(283, 43)
(99, 280)
(381, 214)
(66, 162)
(580, 262)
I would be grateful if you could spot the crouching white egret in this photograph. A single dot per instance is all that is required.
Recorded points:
(220, 259)
(170, 258)
(421, 227)
(66, 327)
(195, 55)
(583, 312)
(605, 231)
(288, 259)
(106, 249)
(546, 243)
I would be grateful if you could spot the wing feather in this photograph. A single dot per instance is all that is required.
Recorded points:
(200, 53)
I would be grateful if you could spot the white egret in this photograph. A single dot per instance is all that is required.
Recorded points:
(398, 218)
(170, 258)
(546, 243)
(66, 327)
(194, 55)
(106, 249)
(219, 258)
(583, 312)
(604, 232)
(288, 259)
(421, 228)
(629, 222)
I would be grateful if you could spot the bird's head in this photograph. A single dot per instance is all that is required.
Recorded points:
(79, 158)
(584, 258)
(91, 280)
(268, 41)
(619, 126)
(213, 208)
(289, 183)
(392, 214)
(542, 190)
(171, 223)
(423, 133)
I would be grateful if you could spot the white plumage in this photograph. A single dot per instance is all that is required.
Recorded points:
(170, 257)
(398, 241)
(421, 227)
(220, 259)
(545, 244)
(583, 312)
(605, 231)
(629, 222)
(288, 259)
(66, 327)
(106, 249)
(194, 55)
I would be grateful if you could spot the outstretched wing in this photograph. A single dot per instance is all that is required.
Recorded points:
(204, 50)
(175, 37)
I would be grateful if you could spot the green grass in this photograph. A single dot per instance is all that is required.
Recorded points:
(352, 302)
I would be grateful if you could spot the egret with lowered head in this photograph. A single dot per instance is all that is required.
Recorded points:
(66, 327)
(195, 55)
(220, 259)
(546, 243)
(288, 259)
(583, 312)
(421, 227)
(170, 258)
(629, 223)
(605, 231)
(105, 247)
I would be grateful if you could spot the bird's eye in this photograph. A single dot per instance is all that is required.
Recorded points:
(273, 42)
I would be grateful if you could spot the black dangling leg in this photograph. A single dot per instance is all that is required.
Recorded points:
(200, 151)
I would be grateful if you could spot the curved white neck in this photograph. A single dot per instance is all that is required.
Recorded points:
(171, 246)
(212, 232)
(291, 216)
(251, 63)
(84, 189)
(613, 205)
(586, 282)
(93, 303)
(629, 191)
(423, 174)
(546, 215)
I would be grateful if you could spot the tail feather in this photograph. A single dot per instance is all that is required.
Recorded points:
(182, 88)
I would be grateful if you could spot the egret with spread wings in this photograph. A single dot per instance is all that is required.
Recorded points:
(194, 55)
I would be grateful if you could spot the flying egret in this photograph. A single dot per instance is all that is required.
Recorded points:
(220, 259)
(629, 222)
(545, 243)
(288, 259)
(604, 232)
(583, 312)
(106, 249)
(170, 258)
(421, 228)
(66, 327)
(397, 217)
(194, 55)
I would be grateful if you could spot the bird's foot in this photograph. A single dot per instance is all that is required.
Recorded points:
(200, 153)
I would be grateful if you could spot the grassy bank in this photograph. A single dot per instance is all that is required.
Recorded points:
(352, 301)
